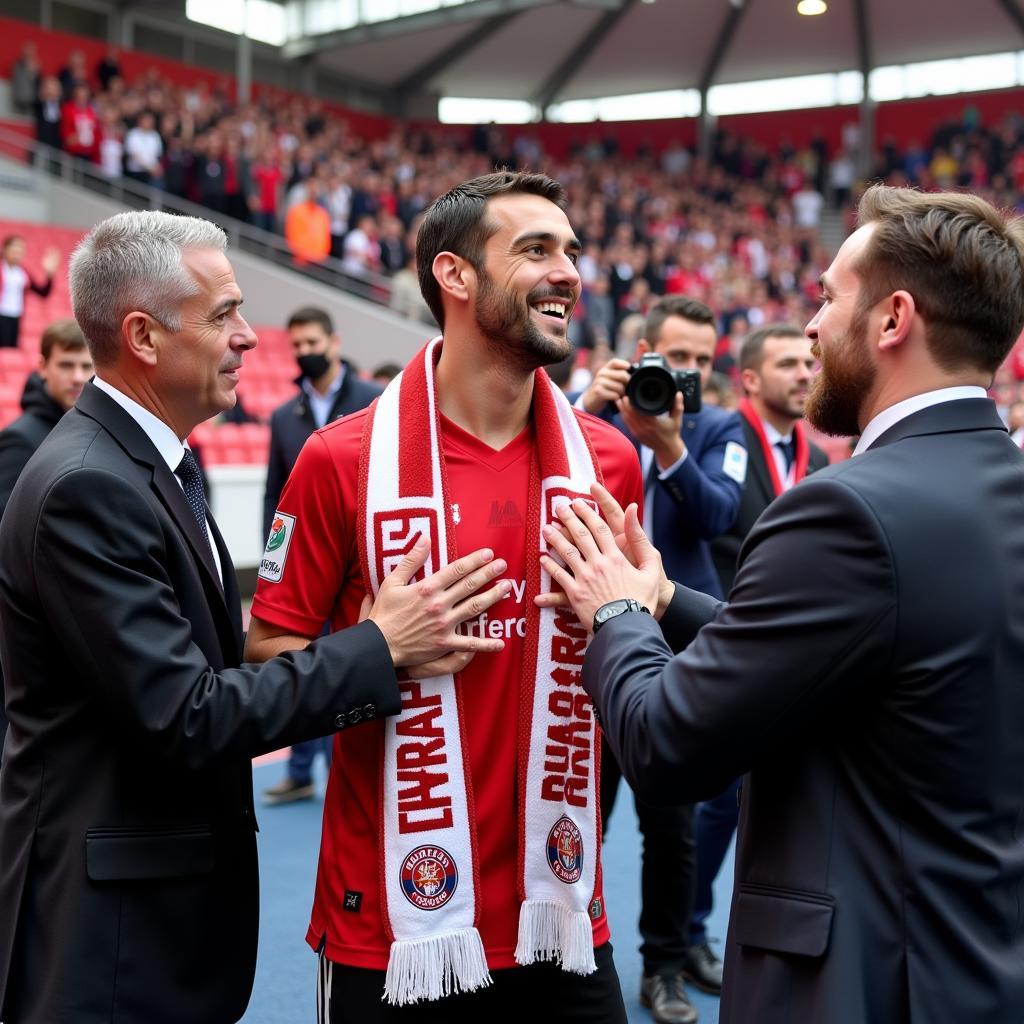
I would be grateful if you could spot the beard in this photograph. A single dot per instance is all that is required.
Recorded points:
(842, 384)
(508, 325)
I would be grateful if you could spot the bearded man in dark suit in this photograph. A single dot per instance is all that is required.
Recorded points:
(128, 889)
(867, 669)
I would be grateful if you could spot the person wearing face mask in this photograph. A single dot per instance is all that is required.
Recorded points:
(328, 389)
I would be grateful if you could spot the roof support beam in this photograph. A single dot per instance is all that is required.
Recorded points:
(462, 47)
(1013, 12)
(443, 17)
(867, 107)
(563, 74)
(726, 33)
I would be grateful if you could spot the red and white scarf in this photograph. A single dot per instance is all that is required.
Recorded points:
(801, 453)
(430, 874)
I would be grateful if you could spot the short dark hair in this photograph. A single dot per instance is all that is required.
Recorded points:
(752, 349)
(456, 223)
(959, 257)
(312, 315)
(65, 334)
(675, 305)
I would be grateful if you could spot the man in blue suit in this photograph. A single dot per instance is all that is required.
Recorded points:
(694, 467)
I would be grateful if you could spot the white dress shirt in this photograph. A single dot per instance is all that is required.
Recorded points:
(901, 410)
(164, 440)
(320, 405)
(786, 473)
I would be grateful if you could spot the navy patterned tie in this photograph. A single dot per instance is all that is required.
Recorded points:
(786, 447)
(192, 484)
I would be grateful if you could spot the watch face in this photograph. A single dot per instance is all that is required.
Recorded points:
(610, 610)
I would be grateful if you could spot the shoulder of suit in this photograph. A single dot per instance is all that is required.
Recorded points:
(290, 406)
(712, 419)
(818, 456)
(715, 416)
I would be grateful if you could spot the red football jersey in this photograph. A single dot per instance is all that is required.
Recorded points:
(318, 578)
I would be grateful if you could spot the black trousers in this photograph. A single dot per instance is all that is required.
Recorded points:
(667, 872)
(352, 995)
(9, 329)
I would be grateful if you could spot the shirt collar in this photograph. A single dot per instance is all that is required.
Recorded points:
(335, 386)
(774, 437)
(164, 439)
(901, 410)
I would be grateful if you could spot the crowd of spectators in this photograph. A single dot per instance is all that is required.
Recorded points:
(739, 232)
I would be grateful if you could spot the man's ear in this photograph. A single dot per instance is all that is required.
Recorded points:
(643, 346)
(454, 275)
(897, 313)
(751, 382)
(142, 336)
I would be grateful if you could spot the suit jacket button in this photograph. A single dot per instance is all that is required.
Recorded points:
(340, 721)
(355, 716)
(369, 711)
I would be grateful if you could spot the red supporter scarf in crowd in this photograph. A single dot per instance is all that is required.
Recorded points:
(430, 875)
(802, 453)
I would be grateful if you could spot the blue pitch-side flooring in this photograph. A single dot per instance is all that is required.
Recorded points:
(288, 842)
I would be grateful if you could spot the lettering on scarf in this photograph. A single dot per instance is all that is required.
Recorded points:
(568, 752)
(424, 795)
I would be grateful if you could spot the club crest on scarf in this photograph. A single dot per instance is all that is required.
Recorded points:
(395, 533)
(565, 850)
(429, 877)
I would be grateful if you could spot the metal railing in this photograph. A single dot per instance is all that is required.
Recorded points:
(134, 195)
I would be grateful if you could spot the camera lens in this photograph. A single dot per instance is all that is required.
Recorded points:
(651, 390)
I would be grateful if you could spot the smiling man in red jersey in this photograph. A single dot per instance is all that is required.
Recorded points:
(459, 867)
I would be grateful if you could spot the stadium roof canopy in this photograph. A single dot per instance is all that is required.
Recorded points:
(551, 51)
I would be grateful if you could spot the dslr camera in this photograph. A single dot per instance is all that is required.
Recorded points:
(652, 386)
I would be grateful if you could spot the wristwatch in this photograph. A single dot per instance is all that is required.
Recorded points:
(613, 608)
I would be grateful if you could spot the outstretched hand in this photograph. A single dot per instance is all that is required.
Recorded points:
(419, 620)
(615, 516)
(595, 570)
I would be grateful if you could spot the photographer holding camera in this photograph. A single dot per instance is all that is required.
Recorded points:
(694, 465)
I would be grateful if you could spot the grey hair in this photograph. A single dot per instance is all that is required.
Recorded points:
(133, 261)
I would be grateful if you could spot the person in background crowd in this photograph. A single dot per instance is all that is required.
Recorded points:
(80, 125)
(307, 227)
(694, 466)
(143, 151)
(74, 74)
(26, 74)
(328, 390)
(16, 283)
(776, 369)
(108, 68)
(48, 113)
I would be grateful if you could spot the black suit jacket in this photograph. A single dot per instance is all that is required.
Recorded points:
(867, 673)
(290, 427)
(758, 494)
(18, 441)
(128, 887)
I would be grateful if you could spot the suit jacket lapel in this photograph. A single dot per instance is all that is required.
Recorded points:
(231, 596)
(756, 468)
(117, 422)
